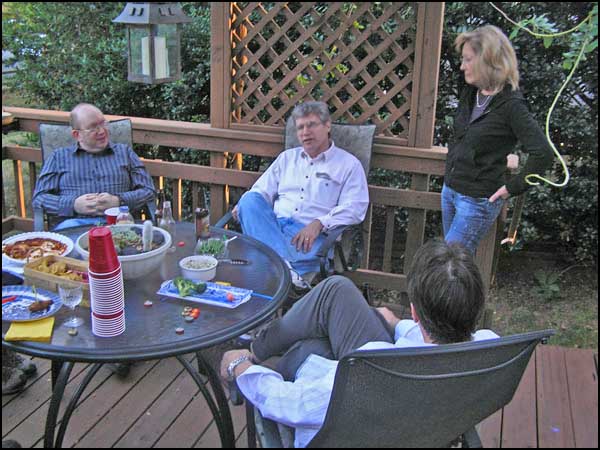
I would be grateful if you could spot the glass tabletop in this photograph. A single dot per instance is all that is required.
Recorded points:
(150, 331)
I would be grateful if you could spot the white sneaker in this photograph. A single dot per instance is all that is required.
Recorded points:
(297, 280)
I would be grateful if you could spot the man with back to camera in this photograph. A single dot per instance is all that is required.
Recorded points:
(447, 299)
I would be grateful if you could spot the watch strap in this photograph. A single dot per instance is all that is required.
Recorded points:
(233, 364)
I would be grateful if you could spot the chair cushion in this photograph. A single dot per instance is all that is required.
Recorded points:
(355, 139)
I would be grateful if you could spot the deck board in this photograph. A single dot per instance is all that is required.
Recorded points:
(583, 395)
(159, 405)
(519, 417)
(555, 429)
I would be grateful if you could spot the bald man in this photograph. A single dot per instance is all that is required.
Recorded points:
(80, 182)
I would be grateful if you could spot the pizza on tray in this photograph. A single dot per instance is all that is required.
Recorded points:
(28, 249)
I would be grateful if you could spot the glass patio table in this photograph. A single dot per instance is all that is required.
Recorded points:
(150, 331)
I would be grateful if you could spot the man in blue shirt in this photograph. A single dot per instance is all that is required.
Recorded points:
(80, 182)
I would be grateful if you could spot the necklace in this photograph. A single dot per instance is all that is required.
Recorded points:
(486, 100)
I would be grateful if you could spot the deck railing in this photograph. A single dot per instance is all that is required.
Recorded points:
(268, 142)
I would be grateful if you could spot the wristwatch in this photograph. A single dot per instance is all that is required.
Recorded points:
(233, 364)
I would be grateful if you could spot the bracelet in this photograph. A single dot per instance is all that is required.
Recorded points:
(233, 364)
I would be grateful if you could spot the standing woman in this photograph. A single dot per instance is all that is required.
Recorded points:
(492, 116)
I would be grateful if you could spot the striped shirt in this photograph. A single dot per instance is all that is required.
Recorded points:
(71, 172)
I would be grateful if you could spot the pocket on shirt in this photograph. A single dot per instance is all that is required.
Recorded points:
(328, 191)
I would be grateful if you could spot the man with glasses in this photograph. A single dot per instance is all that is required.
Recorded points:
(305, 192)
(80, 182)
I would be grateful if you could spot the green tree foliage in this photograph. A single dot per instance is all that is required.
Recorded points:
(72, 52)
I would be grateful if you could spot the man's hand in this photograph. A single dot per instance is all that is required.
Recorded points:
(500, 193)
(105, 201)
(306, 237)
(86, 204)
(229, 357)
(389, 316)
(234, 213)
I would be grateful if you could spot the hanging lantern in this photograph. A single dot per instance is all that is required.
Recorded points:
(153, 41)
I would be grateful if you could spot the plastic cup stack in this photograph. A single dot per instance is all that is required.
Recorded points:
(107, 293)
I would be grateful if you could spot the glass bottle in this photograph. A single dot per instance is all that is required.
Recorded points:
(168, 223)
(161, 201)
(124, 216)
(202, 223)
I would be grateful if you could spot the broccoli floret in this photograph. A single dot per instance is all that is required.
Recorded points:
(188, 287)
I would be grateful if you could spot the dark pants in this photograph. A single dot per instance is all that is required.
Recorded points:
(332, 320)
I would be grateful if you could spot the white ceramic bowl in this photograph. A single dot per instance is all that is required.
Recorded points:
(133, 266)
(32, 235)
(205, 274)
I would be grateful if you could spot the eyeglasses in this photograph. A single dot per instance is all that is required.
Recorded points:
(97, 128)
(309, 126)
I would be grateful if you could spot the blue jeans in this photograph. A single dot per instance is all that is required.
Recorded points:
(467, 219)
(260, 222)
(79, 222)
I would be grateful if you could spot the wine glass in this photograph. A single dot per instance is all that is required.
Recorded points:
(71, 296)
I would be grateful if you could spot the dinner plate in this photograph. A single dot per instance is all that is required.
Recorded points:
(17, 310)
(32, 235)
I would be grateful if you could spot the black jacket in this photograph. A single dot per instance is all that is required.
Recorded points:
(476, 162)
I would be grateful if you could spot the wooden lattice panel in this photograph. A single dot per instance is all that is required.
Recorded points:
(357, 57)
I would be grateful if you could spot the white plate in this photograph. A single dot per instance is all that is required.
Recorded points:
(35, 234)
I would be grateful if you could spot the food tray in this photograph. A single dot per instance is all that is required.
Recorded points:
(50, 282)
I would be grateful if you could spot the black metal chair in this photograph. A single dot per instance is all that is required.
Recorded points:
(346, 241)
(53, 137)
(414, 397)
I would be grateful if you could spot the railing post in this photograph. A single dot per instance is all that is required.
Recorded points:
(430, 22)
(220, 93)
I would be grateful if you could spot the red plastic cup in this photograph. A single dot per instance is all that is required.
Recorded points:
(111, 215)
(103, 256)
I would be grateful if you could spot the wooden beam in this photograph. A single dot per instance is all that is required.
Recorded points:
(220, 96)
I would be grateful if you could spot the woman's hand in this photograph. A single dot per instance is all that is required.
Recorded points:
(500, 193)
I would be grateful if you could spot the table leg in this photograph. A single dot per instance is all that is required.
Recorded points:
(73, 403)
(59, 383)
(221, 414)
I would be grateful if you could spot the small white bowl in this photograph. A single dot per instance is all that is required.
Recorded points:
(205, 274)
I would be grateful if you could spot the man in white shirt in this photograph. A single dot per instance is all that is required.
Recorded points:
(305, 192)
(447, 298)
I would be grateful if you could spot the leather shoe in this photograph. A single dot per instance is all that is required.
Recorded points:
(120, 369)
(15, 384)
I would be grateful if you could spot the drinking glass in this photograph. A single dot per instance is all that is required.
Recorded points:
(71, 296)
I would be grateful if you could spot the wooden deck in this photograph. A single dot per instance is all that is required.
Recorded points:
(556, 405)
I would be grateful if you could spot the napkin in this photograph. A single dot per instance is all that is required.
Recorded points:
(36, 330)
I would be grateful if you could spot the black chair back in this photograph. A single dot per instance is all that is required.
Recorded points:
(423, 397)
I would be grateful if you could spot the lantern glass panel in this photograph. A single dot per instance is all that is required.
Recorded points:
(165, 50)
(139, 53)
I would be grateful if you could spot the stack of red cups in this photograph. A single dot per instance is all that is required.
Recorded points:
(107, 293)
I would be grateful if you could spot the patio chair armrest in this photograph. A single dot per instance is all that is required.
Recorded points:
(227, 217)
(331, 236)
(151, 208)
(38, 219)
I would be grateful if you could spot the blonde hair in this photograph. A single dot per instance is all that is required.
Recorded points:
(495, 63)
